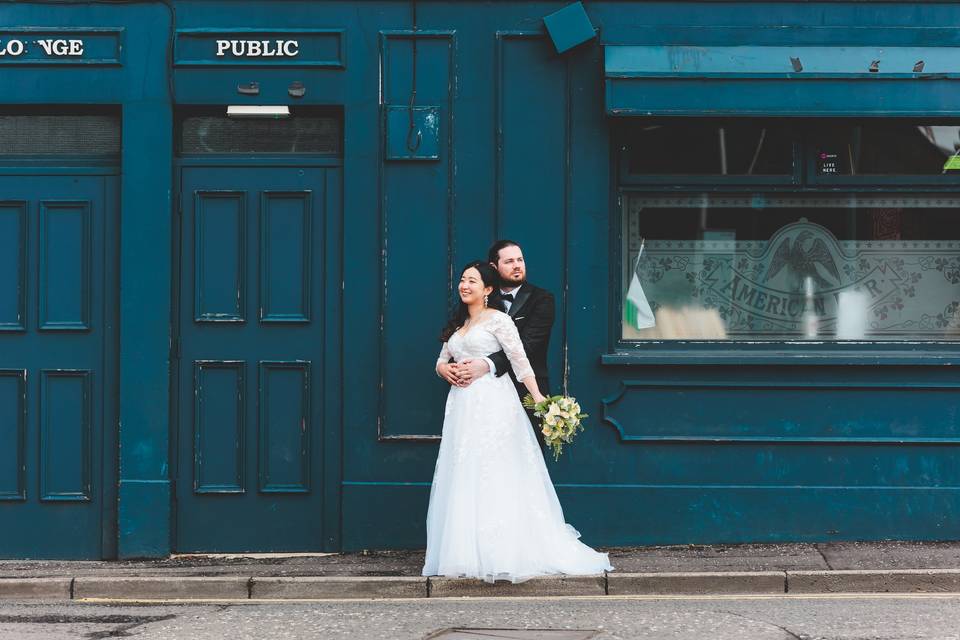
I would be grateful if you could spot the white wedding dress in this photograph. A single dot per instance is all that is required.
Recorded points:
(493, 512)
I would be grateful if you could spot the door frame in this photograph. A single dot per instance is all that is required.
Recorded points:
(332, 439)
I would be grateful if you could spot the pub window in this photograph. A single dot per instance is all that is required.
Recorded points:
(885, 148)
(803, 261)
(750, 150)
(209, 131)
(67, 131)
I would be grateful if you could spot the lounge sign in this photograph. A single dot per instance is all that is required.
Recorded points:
(39, 46)
(282, 47)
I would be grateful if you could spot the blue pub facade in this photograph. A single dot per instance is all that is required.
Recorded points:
(229, 232)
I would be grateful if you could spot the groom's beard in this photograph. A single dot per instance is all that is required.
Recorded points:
(512, 284)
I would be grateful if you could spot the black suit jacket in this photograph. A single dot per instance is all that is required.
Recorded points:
(533, 312)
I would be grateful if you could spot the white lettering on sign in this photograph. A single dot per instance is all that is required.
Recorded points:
(52, 47)
(12, 48)
(60, 47)
(258, 48)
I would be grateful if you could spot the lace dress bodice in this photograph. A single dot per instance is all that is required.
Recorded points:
(493, 332)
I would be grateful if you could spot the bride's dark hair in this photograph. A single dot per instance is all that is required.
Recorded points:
(490, 278)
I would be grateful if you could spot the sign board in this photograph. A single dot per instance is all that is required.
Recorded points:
(260, 48)
(60, 46)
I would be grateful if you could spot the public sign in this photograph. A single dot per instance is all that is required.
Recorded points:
(281, 47)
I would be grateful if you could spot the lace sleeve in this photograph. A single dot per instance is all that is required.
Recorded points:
(444, 356)
(509, 338)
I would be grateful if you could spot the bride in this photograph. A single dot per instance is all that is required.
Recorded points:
(493, 511)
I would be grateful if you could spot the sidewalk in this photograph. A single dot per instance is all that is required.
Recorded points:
(841, 567)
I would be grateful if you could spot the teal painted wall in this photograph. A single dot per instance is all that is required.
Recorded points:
(525, 151)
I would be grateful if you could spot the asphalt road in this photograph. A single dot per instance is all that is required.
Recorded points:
(848, 617)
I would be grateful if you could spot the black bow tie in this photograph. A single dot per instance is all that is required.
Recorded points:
(507, 296)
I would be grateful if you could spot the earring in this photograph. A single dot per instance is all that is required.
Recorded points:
(485, 299)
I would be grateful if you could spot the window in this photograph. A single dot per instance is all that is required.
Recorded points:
(886, 149)
(51, 133)
(306, 131)
(802, 260)
(761, 266)
(697, 148)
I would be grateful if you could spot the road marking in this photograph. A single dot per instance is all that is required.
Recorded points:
(785, 596)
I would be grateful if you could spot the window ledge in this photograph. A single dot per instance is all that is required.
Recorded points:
(819, 357)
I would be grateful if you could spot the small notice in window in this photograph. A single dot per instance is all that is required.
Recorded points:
(827, 164)
(952, 163)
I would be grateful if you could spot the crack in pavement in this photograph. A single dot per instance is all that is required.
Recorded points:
(789, 633)
(824, 556)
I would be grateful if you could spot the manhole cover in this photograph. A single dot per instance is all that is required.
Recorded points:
(515, 634)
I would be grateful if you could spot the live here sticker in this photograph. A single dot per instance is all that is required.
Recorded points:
(952, 164)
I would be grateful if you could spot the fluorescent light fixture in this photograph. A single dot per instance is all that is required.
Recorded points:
(257, 111)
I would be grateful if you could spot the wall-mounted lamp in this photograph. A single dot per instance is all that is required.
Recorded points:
(258, 111)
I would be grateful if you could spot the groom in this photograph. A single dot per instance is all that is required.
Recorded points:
(532, 310)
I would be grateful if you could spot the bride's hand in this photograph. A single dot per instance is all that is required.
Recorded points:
(539, 398)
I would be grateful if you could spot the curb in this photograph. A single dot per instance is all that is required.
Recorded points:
(162, 587)
(698, 583)
(36, 588)
(323, 588)
(131, 588)
(545, 586)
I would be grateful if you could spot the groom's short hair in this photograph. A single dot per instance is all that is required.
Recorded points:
(493, 255)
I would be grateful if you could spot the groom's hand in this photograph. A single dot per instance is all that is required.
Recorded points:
(471, 370)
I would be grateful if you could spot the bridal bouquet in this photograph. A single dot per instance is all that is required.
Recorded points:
(560, 420)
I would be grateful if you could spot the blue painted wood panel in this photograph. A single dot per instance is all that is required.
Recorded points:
(780, 412)
(220, 256)
(532, 173)
(416, 231)
(13, 266)
(13, 425)
(285, 256)
(66, 432)
(65, 269)
(218, 427)
(285, 427)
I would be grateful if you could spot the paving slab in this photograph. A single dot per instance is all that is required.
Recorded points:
(891, 555)
(546, 586)
(875, 581)
(733, 557)
(35, 588)
(338, 587)
(162, 587)
(696, 583)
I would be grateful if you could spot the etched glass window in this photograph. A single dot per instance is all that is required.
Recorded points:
(791, 267)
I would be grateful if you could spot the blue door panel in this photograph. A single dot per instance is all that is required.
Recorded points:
(13, 408)
(13, 268)
(218, 439)
(58, 297)
(252, 328)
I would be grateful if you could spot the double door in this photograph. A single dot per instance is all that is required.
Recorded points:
(257, 353)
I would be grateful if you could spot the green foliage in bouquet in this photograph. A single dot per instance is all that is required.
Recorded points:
(560, 420)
